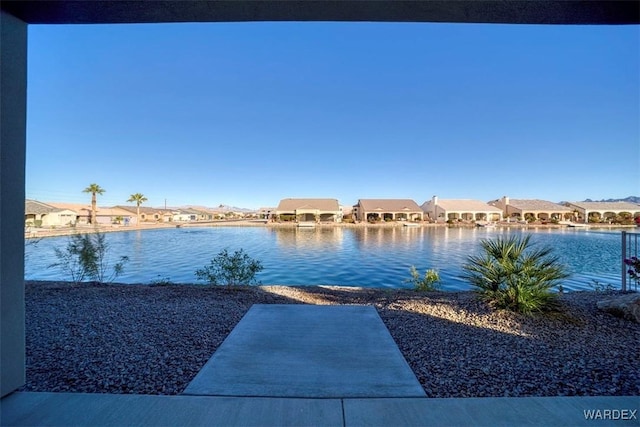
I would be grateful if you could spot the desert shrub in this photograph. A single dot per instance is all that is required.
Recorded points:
(512, 274)
(429, 282)
(161, 281)
(230, 270)
(86, 257)
(601, 287)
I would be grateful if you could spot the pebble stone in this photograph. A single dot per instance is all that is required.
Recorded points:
(146, 339)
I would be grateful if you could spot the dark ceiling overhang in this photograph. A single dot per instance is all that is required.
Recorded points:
(456, 11)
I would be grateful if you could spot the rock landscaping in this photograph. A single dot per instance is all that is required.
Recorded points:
(154, 339)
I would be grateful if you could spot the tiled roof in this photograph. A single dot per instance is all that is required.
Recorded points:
(464, 205)
(537, 205)
(79, 208)
(114, 211)
(389, 205)
(33, 207)
(144, 209)
(602, 206)
(188, 211)
(290, 205)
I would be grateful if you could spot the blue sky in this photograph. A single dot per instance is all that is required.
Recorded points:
(245, 114)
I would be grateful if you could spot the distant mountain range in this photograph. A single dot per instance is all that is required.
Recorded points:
(219, 208)
(630, 199)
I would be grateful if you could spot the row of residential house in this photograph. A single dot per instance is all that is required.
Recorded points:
(442, 210)
(54, 214)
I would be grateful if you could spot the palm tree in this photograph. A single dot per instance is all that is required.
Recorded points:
(139, 199)
(93, 189)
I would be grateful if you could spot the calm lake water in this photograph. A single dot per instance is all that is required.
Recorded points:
(368, 257)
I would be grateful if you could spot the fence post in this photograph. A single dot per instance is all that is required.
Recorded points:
(624, 256)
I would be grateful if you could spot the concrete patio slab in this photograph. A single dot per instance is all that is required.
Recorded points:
(308, 351)
(494, 411)
(103, 410)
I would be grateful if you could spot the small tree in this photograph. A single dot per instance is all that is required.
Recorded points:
(100, 272)
(511, 274)
(430, 281)
(230, 270)
(85, 256)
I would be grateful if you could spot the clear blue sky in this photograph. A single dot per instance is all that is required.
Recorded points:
(248, 113)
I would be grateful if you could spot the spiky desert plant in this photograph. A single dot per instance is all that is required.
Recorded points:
(513, 274)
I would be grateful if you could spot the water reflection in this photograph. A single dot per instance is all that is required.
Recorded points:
(359, 256)
(309, 238)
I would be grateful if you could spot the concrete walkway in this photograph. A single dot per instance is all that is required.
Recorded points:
(119, 410)
(290, 365)
(307, 351)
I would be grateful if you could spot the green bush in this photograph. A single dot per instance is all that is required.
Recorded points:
(230, 270)
(85, 257)
(161, 281)
(511, 274)
(430, 281)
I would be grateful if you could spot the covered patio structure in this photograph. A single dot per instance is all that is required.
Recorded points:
(309, 210)
(387, 209)
(604, 211)
(15, 16)
(534, 209)
(460, 210)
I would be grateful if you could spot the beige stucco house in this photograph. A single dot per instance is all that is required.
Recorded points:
(304, 210)
(536, 208)
(460, 210)
(599, 211)
(82, 210)
(148, 214)
(39, 214)
(387, 209)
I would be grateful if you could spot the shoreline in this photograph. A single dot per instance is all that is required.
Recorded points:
(66, 231)
(154, 339)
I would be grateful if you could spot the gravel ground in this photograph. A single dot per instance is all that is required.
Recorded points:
(154, 339)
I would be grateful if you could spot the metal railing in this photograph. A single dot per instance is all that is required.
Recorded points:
(630, 245)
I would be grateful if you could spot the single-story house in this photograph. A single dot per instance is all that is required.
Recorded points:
(327, 210)
(599, 211)
(115, 215)
(461, 210)
(387, 209)
(149, 214)
(38, 214)
(532, 208)
(184, 215)
(267, 212)
(82, 210)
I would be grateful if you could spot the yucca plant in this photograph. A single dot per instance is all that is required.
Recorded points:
(513, 274)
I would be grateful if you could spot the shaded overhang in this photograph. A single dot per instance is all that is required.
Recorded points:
(499, 12)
